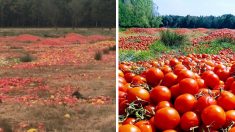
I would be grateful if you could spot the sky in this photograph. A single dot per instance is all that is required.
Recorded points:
(196, 7)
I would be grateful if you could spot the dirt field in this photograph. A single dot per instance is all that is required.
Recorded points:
(64, 83)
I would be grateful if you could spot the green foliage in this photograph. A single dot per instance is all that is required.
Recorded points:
(172, 39)
(159, 47)
(98, 55)
(133, 55)
(224, 21)
(137, 13)
(26, 58)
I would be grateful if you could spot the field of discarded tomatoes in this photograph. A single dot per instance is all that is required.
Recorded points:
(57, 83)
(185, 88)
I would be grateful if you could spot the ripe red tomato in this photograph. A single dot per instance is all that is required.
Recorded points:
(188, 120)
(175, 90)
(226, 100)
(129, 128)
(230, 116)
(169, 80)
(120, 73)
(232, 129)
(185, 102)
(211, 79)
(137, 92)
(166, 118)
(129, 76)
(185, 74)
(170, 130)
(203, 102)
(129, 120)
(166, 69)
(173, 62)
(138, 80)
(201, 83)
(228, 83)
(232, 87)
(163, 104)
(213, 115)
(154, 76)
(188, 85)
(160, 93)
(144, 126)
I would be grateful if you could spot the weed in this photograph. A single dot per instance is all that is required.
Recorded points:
(132, 55)
(98, 55)
(26, 58)
(172, 39)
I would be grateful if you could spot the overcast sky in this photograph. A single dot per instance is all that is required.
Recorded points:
(196, 7)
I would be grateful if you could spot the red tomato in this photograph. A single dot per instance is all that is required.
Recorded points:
(188, 120)
(120, 73)
(154, 76)
(169, 80)
(185, 102)
(201, 83)
(129, 128)
(169, 130)
(232, 129)
(226, 100)
(185, 74)
(129, 76)
(211, 79)
(232, 87)
(230, 116)
(130, 121)
(175, 90)
(160, 93)
(203, 102)
(188, 85)
(229, 82)
(213, 115)
(138, 80)
(163, 104)
(173, 62)
(139, 92)
(144, 126)
(166, 69)
(166, 118)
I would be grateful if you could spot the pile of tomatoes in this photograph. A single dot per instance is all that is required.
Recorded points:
(185, 93)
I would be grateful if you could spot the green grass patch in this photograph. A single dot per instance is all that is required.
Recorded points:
(172, 39)
(214, 47)
(159, 47)
(133, 55)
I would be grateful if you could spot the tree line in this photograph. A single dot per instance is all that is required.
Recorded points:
(224, 21)
(57, 13)
(138, 13)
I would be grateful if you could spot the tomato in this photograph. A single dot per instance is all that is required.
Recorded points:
(124, 68)
(232, 87)
(150, 110)
(138, 80)
(189, 85)
(211, 79)
(137, 92)
(169, 80)
(203, 102)
(160, 93)
(144, 126)
(122, 80)
(154, 76)
(223, 74)
(170, 130)
(166, 118)
(175, 90)
(120, 73)
(226, 100)
(213, 115)
(129, 128)
(166, 69)
(129, 76)
(130, 121)
(229, 82)
(232, 129)
(185, 74)
(185, 102)
(201, 83)
(188, 120)
(163, 104)
(173, 62)
(230, 116)
(122, 106)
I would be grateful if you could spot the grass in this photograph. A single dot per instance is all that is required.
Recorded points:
(214, 47)
(159, 47)
(52, 32)
(172, 39)
(132, 55)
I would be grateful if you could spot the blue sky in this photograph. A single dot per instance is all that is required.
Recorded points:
(196, 7)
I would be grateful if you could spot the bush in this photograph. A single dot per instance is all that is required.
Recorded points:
(172, 39)
(113, 48)
(106, 51)
(26, 58)
(98, 55)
